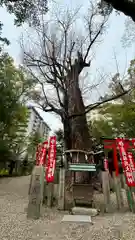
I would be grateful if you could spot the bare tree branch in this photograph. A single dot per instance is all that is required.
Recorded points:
(58, 62)
(91, 24)
(97, 104)
(92, 42)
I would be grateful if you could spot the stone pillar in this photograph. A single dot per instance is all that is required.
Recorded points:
(61, 194)
(106, 190)
(36, 193)
(118, 191)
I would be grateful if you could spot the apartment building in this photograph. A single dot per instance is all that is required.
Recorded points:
(37, 124)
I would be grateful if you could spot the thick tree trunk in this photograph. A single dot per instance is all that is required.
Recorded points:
(80, 135)
(67, 134)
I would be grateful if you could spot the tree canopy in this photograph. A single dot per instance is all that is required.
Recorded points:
(25, 10)
(117, 118)
(59, 60)
(13, 113)
(125, 6)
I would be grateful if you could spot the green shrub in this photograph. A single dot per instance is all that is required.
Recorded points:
(4, 172)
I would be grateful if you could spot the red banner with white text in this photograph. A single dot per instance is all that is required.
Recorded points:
(42, 155)
(125, 158)
(38, 152)
(51, 160)
(132, 163)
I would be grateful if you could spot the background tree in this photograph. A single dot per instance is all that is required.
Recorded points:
(13, 114)
(28, 11)
(33, 140)
(100, 128)
(117, 118)
(128, 37)
(2, 39)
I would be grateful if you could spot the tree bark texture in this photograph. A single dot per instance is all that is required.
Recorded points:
(80, 136)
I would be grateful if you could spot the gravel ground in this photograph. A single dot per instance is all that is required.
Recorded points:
(15, 226)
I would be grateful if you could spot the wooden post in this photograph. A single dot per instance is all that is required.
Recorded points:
(117, 187)
(106, 189)
(45, 188)
(122, 181)
(129, 194)
(50, 194)
(61, 195)
(45, 193)
(36, 193)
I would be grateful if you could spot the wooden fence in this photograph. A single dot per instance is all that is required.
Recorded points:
(124, 195)
(54, 194)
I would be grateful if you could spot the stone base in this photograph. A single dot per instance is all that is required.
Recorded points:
(85, 211)
(77, 218)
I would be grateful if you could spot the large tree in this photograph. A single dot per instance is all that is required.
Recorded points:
(57, 59)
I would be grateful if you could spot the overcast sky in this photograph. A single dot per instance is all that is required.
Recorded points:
(104, 59)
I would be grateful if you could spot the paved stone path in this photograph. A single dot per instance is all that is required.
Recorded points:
(15, 226)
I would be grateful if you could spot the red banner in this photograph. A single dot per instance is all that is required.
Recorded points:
(122, 146)
(133, 142)
(131, 162)
(51, 160)
(42, 155)
(39, 147)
